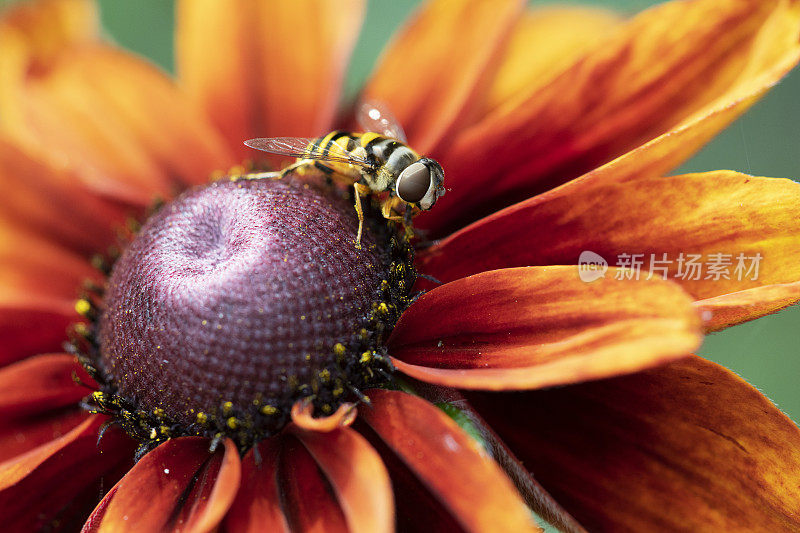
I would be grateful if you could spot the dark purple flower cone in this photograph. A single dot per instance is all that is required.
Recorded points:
(235, 295)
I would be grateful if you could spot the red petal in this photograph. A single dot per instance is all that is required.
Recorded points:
(39, 283)
(416, 507)
(39, 402)
(357, 475)
(20, 435)
(448, 462)
(688, 446)
(307, 497)
(542, 326)
(257, 506)
(60, 478)
(24, 332)
(40, 383)
(180, 484)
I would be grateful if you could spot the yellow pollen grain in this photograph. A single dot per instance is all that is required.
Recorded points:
(338, 391)
(232, 423)
(227, 407)
(366, 357)
(202, 418)
(383, 308)
(339, 349)
(205, 322)
(158, 412)
(164, 430)
(269, 410)
(83, 307)
(325, 375)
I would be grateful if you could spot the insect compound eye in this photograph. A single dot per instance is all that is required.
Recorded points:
(414, 182)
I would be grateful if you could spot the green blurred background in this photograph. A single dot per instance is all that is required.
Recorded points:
(766, 142)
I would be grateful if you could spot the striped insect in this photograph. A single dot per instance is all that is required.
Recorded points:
(376, 162)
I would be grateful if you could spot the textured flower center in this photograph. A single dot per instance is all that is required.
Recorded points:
(238, 299)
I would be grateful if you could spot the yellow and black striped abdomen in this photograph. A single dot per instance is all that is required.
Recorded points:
(368, 157)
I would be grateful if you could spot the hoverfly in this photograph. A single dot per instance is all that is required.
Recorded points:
(374, 162)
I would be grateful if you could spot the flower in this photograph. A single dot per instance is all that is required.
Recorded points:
(546, 154)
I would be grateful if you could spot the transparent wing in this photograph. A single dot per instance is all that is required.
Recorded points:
(376, 117)
(306, 148)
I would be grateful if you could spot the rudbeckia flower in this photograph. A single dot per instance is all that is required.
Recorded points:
(268, 375)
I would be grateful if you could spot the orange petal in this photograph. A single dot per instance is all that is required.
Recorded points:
(449, 462)
(186, 487)
(121, 124)
(417, 508)
(257, 506)
(41, 383)
(33, 35)
(307, 498)
(667, 75)
(39, 283)
(92, 524)
(58, 480)
(303, 410)
(720, 212)
(50, 202)
(687, 446)
(545, 41)
(720, 312)
(209, 503)
(266, 70)
(446, 50)
(357, 475)
(542, 326)
(33, 270)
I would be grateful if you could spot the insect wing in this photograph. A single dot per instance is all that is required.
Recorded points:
(376, 117)
(305, 148)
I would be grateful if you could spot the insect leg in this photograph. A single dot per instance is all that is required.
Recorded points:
(391, 206)
(359, 211)
(258, 176)
(276, 175)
